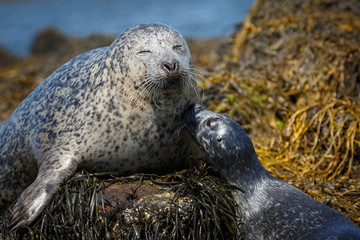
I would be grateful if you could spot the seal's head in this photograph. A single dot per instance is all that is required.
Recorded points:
(222, 139)
(157, 60)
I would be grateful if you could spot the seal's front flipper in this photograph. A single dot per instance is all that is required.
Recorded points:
(29, 205)
(36, 197)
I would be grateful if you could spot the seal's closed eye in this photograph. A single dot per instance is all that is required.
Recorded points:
(178, 47)
(144, 51)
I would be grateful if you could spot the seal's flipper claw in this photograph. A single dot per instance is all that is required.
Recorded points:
(15, 213)
(13, 225)
(19, 217)
(17, 224)
(22, 215)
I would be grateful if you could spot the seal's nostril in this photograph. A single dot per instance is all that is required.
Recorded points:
(170, 66)
(167, 67)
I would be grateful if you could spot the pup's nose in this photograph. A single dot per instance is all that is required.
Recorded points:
(197, 108)
(191, 111)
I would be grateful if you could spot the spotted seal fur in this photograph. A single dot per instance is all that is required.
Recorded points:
(110, 109)
(269, 208)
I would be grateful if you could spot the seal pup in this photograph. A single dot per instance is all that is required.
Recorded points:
(110, 109)
(269, 208)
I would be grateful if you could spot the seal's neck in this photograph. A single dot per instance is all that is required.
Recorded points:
(246, 172)
(254, 182)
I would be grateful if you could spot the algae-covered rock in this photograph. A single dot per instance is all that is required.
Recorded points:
(193, 204)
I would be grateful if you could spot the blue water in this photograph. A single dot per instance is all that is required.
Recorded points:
(20, 21)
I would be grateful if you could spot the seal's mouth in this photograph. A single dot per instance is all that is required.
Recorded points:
(169, 88)
(172, 73)
(173, 81)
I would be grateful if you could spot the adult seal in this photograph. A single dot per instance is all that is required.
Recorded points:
(268, 207)
(109, 109)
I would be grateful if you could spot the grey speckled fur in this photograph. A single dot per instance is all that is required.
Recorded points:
(268, 208)
(109, 109)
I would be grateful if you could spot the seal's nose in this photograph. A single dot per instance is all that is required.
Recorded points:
(190, 112)
(171, 66)
(191, 118)
(197, 108)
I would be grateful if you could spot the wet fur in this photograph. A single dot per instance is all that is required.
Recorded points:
(268, 208)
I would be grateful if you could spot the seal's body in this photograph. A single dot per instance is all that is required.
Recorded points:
(110, 109)
(268, 208)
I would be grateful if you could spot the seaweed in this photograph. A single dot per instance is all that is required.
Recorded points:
(195, 204)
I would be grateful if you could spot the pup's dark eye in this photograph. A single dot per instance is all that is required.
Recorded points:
(144, 51)
(219, 138)
(211, 123)
(208, 122)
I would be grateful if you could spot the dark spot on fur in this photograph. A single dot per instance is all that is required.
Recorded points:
(117, 148)
(98, 117)
(118, 114)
